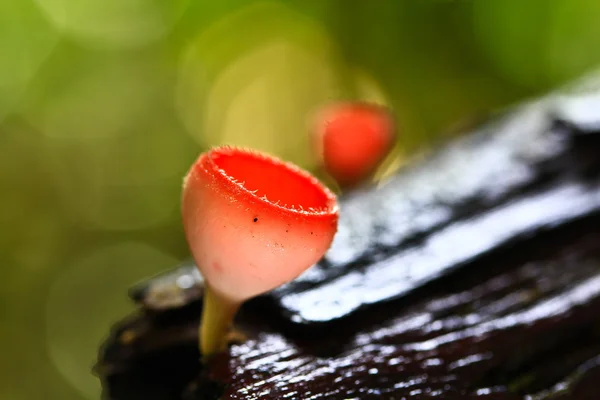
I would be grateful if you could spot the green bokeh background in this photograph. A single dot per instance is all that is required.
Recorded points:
(104, 104)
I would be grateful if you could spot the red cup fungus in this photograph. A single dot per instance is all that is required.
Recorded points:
(352, 139)
(252, 222)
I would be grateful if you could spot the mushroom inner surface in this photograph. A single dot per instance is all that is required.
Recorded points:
(268, 177)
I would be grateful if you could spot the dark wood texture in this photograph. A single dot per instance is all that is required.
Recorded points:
(474, 273)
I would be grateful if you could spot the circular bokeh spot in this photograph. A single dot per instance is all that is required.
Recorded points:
(87, 298)
(114, 23)
(269, 112)
(95, 96)
(254, 78)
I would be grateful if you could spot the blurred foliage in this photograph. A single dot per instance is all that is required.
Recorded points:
(104, 104)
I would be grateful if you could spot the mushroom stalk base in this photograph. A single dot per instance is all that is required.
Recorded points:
(217, 317)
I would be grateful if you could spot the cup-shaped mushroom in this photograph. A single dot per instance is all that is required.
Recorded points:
(352, 139)
(254, 222)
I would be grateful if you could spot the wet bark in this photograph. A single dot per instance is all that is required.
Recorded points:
(474, 273)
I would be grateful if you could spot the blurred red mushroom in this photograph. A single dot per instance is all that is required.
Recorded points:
(352, 139)
(252, 222)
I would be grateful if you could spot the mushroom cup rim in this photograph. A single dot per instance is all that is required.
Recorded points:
(330, 207)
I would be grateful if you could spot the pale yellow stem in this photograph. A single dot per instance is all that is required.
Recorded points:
(217, 317)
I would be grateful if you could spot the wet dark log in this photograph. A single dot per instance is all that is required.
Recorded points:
(474, 273)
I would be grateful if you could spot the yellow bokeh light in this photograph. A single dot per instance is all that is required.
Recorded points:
(268, 110)
(260, 90)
